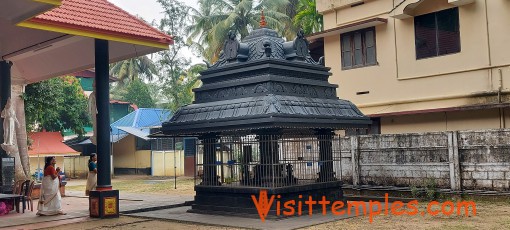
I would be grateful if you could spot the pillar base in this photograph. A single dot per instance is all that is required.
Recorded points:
(104, 204)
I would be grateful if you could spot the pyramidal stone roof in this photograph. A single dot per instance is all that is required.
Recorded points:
(265, 83)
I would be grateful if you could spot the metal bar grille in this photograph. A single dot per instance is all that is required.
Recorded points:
(268, 160)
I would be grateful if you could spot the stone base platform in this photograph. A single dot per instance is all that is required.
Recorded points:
(238, 201)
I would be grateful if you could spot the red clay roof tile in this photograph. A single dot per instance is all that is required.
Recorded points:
(49, 143)
(101, 16)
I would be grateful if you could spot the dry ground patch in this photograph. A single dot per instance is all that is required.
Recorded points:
(489, 215)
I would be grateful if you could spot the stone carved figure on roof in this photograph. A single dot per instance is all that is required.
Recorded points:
(301, 45)
(9, 125)
(231, 46)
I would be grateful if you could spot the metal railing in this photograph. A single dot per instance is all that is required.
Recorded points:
(268, 160)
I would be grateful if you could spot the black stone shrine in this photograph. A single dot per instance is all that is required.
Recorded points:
(263, 93)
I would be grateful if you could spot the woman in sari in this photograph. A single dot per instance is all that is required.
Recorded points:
(50, 199)
(92, 177)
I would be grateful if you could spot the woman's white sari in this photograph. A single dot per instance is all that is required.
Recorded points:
(91, 183)
(50, 200)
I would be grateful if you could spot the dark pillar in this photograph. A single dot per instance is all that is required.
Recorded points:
(103, 203)
(268, 149)
(269, 172)
(5, 93)
(103, 115)
(326, 172)
(245, 164)
(210, 176)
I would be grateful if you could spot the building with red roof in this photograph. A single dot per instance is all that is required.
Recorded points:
(42, 39)
(47, 45)
(48, 144)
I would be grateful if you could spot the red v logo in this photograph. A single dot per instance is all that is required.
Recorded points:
(263, 204)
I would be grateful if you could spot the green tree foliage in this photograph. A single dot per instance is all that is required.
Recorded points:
(142, 68)
(137, 92)
(56, 104)
(214, 18)
(174, 22)
(172, 65)
(290, 9)
(307, 17)
(132, 70)
(180, 92)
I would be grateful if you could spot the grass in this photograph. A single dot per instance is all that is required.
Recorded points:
(148, 185)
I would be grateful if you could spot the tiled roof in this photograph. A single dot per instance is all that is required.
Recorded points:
(49, 144)
(143, 117)
(100, 16)
(265, 112)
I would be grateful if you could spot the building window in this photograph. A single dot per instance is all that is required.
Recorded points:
(142, 144)
(162, 144)
(437, 33)
(358, 48)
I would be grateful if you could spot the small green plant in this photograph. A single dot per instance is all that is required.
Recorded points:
(430, 189)
(415, 192)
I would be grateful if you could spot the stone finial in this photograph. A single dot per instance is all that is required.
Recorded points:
(262, 20)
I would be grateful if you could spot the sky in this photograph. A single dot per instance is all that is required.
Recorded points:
(151, 10)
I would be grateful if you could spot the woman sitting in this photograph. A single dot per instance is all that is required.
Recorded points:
(50, 199)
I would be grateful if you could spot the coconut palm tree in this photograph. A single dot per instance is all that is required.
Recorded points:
(214, 18)
(290, 10)
(135, 68)
(307, 17)
(203, 21)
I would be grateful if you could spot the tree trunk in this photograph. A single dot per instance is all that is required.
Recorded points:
(21, 134)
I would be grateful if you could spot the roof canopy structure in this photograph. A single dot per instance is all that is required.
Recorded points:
(261, 83)
(408, 9)
(61, 41)
(75, 35)
(138, 123)
(15, 11)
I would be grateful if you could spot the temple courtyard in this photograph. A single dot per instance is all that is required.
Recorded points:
(154, 203)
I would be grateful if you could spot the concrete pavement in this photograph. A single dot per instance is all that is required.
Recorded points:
(165, 207)
(76, 206)
(179, 214)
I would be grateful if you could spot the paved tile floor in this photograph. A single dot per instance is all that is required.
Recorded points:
(75, 204)
(76, 207)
